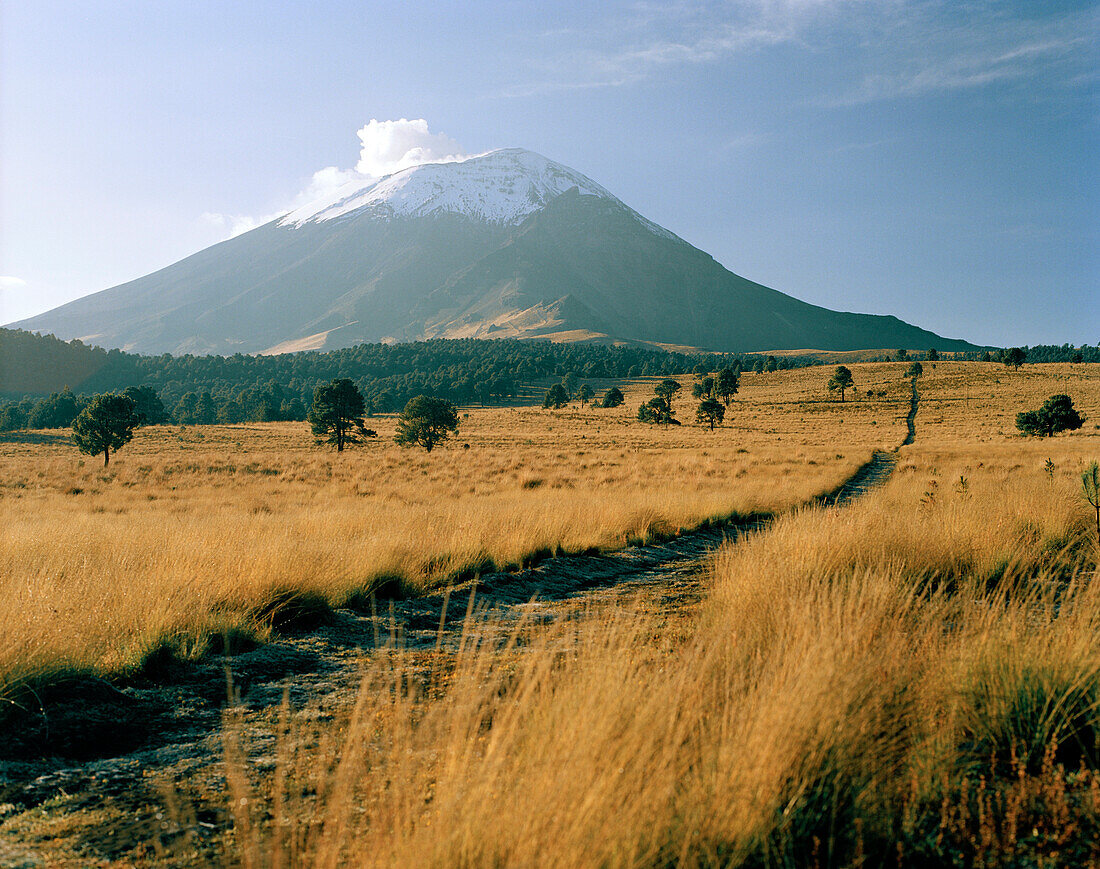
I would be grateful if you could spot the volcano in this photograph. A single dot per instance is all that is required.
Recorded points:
(507, 244)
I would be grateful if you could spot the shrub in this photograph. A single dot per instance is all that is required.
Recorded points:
(1057, 414)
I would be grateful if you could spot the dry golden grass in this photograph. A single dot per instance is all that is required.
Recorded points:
(912, 680)
(192, 531)
(977, 402)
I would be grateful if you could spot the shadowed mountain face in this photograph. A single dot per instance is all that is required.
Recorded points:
(505, 245)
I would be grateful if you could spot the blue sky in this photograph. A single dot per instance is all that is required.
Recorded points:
(933, 160)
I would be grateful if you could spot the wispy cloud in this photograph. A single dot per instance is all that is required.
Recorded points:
(862, 146)
(906, 47)
(974, 54)
(745, 140)
(651, 38)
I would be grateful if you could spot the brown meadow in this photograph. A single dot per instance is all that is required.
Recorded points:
(193, 531)
(913, 679)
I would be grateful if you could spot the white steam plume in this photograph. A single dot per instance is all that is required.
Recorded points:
(385, 147)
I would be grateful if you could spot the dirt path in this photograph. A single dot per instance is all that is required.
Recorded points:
(78, 781)
(911, 419)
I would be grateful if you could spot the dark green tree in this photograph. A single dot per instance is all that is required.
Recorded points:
(57, 411)
(569, 382)
(147, 404)
(1014, 356)
(231, 411)
(657, 410)
(914, 371)
(901, 355)
(771, 364)
(727, 384)
(666, 389)
(106, 423)
(703, 388)
(612, 398)
(710, 411)
(585, 394)
(841, 380)
(556, 397)
(12, 418)
(1057, 414)
(933, 355)
(426, 421)
(336, 416)
(206, 412)
(184, 411)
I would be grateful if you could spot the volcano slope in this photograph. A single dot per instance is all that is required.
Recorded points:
(504, 244)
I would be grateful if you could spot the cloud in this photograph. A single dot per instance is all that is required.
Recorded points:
(10, 282)
(390, 146)
(660, 36)
(906, 48)
(385, 147)
(967, 66)
(235, 224)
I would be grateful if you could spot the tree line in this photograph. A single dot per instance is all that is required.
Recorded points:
(228, 389)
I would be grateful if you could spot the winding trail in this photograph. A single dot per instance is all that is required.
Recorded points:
(911, 419)
(87, 756)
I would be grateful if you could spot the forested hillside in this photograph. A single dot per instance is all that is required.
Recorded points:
(43, 379)
(51, 375)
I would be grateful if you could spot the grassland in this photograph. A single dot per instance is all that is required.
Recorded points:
(194, 533)
(913, 680)
(910, 680)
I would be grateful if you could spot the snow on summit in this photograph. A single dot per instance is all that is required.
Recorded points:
(498, 187)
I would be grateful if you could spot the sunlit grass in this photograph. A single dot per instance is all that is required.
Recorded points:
(911, 680)
(194, 530)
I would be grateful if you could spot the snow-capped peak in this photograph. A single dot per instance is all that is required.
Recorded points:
(502, 186)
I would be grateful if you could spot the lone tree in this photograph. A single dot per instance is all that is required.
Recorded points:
(1057, 414)
(710, 411)
(666, 389)
(933, 355)
(612, 398)
(914, 371)
(336, 416)
(1014, 356)
(585, 394)
(106, 423)
(426, 421)
(841, 380)
(727, 384)
(556, 397)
